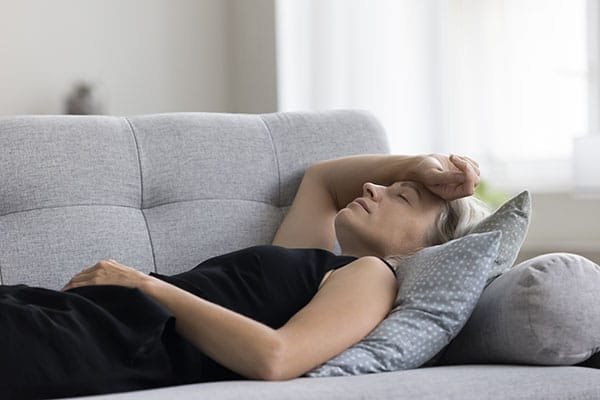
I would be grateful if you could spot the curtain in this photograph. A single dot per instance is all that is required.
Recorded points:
(504, 81)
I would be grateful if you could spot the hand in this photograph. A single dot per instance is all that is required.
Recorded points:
(450, 177)
(107, 272)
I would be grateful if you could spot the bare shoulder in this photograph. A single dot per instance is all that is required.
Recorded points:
(357, 296)
(369, 267)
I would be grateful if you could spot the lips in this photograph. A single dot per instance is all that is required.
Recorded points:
(363, 203)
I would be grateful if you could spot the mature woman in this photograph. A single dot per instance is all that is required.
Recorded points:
(269, 312)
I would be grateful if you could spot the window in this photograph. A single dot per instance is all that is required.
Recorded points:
(504, 81)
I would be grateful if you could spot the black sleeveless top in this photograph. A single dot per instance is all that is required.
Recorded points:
(109, 338)
(266, 283)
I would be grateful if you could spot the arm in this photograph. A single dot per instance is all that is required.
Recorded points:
(448, 177)
(234, 340)
(329, 186)
(357, 297)
(351, 303)
(344, 177)
(239, 343)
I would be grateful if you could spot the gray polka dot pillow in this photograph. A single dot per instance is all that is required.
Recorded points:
(512, 219)
(439, 288)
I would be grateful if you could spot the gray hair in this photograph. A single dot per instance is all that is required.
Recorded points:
(457, 219)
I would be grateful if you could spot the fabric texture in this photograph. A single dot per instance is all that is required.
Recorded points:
(157, 192)
(543, 311)
(456, 382)
(439, 287)
(87, 340)
(266, 283)
(161, 192)
(512, 219)
(108, 338)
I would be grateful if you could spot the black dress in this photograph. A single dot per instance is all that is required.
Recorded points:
(108, 338)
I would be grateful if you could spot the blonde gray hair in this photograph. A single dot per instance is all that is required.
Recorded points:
(457, 219)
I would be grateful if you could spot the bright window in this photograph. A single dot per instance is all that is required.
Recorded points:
(505, 81)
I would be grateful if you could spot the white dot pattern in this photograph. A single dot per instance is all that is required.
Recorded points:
(512, 219)
(439, 288)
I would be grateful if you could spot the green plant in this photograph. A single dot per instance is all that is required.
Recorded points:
(492, 197)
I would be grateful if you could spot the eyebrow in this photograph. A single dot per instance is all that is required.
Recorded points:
(413, 186)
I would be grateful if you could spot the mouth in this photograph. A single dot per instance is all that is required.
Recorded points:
(362, 203)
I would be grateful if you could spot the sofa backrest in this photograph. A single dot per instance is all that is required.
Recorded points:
(159, 192)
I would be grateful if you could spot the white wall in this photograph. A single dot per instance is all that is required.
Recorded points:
(563, 222)
(253, 63)
(146, 56)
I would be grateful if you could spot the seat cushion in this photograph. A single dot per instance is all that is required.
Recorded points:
(461, 382)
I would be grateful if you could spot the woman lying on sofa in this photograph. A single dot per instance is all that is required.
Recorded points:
(268, 312)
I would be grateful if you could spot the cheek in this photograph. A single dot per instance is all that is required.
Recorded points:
(411, 230)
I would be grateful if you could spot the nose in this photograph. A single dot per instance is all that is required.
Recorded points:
(372, 190)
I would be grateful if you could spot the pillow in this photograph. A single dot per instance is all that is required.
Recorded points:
(439, 287)
(512, 219)
(543, 311)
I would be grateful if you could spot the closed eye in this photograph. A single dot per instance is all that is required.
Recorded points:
(404, 197)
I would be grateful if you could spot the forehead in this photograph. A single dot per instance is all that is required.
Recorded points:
(424, 193)
(415, 185)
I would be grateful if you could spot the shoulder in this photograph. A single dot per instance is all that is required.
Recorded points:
(371, 268)
(358, 296)
(373, 263)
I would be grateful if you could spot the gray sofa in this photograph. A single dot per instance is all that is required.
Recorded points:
(164, 192)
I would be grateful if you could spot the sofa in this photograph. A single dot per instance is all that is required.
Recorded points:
(164, 192)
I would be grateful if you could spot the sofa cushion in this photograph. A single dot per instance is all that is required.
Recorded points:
(439, 287)
(512, 219)
(456, 382)
(543, 311)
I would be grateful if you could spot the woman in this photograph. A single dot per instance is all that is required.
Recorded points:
(417, 203)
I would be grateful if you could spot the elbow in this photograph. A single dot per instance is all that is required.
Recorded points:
(274, 365)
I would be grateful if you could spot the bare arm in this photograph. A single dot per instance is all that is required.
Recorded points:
(356, 296)
(345, 176)
(329, 186)
(234, 340)
(351, 303)
(240, 343)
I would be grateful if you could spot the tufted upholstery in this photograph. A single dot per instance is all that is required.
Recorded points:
(157, 192)
(164, 192)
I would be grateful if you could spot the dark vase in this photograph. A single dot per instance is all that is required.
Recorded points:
(83, 101)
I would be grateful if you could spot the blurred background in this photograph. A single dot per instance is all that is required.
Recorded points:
(512, 83)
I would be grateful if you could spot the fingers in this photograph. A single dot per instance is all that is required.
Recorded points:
(446, 178)
(464, 159)
(471, 175)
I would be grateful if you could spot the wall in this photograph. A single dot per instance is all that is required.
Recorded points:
(145, 56)
(563, 222)
(253, 62)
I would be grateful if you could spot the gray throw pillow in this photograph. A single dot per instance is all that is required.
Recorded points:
(438, 289)
(543, 311)
(512, 219)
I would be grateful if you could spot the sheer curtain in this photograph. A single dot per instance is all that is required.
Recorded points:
(504, 81)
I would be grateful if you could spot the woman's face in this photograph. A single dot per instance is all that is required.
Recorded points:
(387, 220)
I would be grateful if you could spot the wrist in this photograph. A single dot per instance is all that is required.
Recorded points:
(148, 284)
(411, 170)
